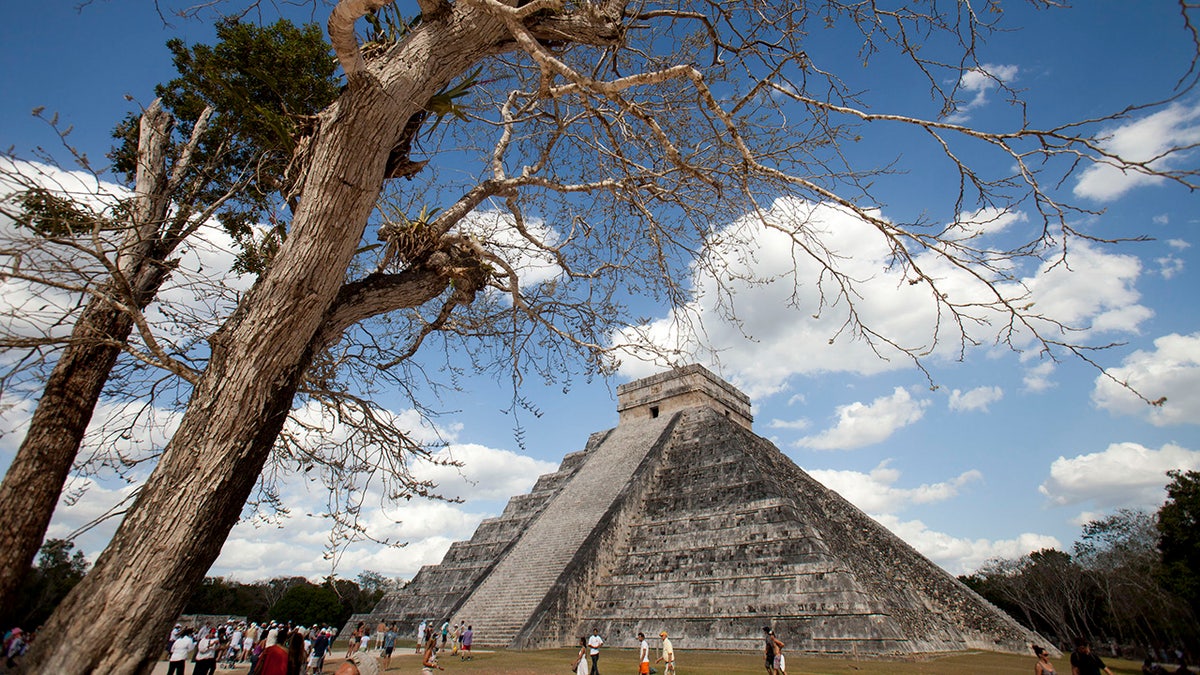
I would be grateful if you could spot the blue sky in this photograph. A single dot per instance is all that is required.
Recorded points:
(1009, 453)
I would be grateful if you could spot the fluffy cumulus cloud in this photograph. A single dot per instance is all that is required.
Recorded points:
(977, 399)
(861, 424)
(1124, 475)
(978, 83)
(299, 541)
(1169, 373)
(524, 251)
(422, 530)
(793, 318)
(959, 555)
(876, 492)
(1141, 140)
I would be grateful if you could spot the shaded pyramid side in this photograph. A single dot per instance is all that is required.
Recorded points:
(733, 535)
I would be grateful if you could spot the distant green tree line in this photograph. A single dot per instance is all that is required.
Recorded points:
(60, 566)
(1133, 578)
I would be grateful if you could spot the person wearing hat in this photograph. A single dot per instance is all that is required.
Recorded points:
(668, 654)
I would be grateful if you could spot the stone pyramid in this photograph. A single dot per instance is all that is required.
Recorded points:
(682, 519)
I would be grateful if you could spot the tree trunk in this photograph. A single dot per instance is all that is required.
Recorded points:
(39, 470)
(35, 478)
(117, 617)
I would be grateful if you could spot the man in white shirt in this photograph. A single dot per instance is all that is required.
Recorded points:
(594, 643)
(643, 655)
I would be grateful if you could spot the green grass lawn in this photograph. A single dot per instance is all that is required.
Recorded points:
(624, 662)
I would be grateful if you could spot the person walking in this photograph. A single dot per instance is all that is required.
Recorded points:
(389, 643)
(643, 655)
(668, 654)
(181, 647)
(771, 644)
(206, 654)
(1084, 662)
(468, 637)
(594, 643)
(581, 660)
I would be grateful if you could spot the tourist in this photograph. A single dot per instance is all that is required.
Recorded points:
(1084, 662)
(780, 661)
(274, 657)
(595, 642)
(297, 653)
(643, 655)
(467, 638)
(355, 640)
(1042, 666)
(581, 662)
(770, 645)
(421, 635)
(206, 653)
(235, 645)
(445, 632)
(364, 640)
(316, 662)
(181, 648)
(668, 654)
(389, 643)
(429, 662)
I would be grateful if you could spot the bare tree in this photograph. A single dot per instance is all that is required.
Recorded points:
(116, 254)
(608, 125)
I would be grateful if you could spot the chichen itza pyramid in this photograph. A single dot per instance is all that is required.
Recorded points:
(682, 519)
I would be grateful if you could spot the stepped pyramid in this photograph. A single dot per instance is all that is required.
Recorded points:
(682, 519)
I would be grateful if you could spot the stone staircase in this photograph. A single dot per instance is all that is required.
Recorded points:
(503, 602)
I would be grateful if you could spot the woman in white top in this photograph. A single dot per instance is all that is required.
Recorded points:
(581, 662)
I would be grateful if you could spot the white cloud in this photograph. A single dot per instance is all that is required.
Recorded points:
(959, 555)
(1124, 475)
(1169, 266)
(979, 82)
(876, 492)
(793, 425)
(791, 318)
(1171, 370)
(860, 424)
(1141, 140)
(487, 473)
(1037, 378)
(497, 232)
(977, 399)
(1178, 244)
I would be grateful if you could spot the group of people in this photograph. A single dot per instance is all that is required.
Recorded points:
(385, 638)
(268, 648)
(457, 638)
(1086, 662)
(587, 662)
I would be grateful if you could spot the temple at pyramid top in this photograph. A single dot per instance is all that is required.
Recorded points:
(681, 519)
(675, 390)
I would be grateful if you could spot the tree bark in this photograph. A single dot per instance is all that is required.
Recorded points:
(34, 480)
(118, 615)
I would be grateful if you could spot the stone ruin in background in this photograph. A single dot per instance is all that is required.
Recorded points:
(682, 519)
